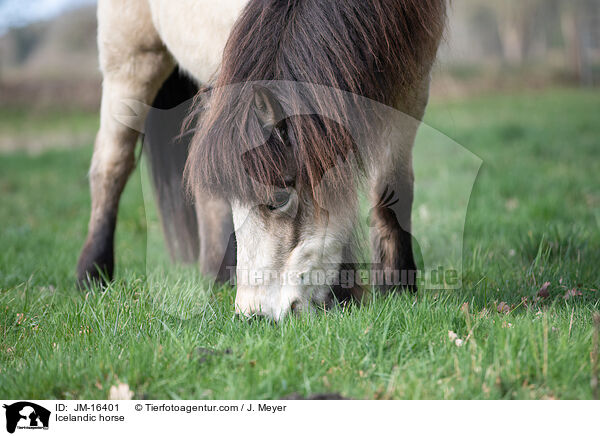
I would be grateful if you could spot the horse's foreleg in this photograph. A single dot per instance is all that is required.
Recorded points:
(392, 197)
(391, 241)
(137, 79)
(217, 239)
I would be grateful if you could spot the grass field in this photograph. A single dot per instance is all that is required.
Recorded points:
(533, 217)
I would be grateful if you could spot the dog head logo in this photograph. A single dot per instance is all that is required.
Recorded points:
(26, 415)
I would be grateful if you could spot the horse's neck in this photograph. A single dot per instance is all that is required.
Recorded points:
(195, 32)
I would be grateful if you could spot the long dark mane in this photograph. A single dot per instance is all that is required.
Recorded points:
(376, 49)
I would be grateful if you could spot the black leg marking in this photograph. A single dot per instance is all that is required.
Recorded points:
(97, 259)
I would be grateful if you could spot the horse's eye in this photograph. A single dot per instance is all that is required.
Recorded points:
(282, 198)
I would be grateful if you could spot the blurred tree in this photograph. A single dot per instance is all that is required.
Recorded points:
(532, 30)
(580, 23)
(514, 21)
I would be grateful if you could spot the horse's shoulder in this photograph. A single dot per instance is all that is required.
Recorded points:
(195, 31)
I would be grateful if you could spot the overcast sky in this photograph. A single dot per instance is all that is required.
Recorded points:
(15, 13)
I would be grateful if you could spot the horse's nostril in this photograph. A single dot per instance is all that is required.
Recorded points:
(295, 306)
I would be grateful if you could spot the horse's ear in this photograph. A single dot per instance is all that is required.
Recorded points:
(267, 107)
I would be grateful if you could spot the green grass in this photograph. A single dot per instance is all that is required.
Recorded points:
(34, 131)
(19, 120)
(533, 217)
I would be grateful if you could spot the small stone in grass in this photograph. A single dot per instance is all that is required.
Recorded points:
(120, 392)
(454, 338)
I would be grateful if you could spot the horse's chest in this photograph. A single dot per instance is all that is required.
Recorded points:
(195, 32)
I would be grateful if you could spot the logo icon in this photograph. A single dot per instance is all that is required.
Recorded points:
(26, 415)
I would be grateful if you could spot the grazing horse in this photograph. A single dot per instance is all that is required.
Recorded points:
(273, 154)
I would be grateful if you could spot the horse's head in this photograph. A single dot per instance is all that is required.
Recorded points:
(288, 163)
(289, 183)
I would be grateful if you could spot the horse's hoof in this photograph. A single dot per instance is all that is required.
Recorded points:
(89, 280)
(95, 267)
